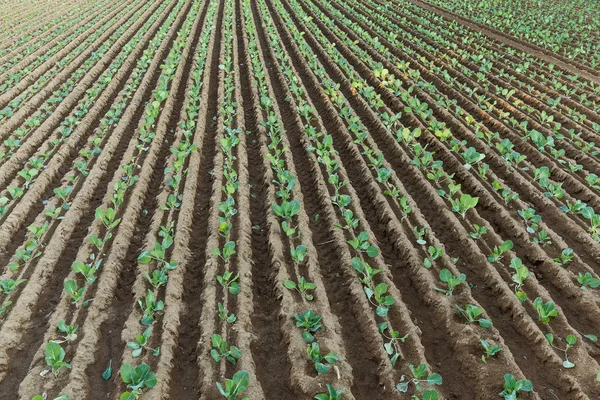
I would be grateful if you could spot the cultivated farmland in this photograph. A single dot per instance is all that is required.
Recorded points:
(299, 199)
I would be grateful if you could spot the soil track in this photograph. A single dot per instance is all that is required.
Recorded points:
(320, 147)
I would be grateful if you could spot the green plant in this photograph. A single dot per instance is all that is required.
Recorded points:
(490, 350)
(136, 378)
(68, 330)
(141, 342)
(545, 311)
(331, 394)
(519, 277)
(420, 376)
(227, 252)
(420, 234)
(220, 351)
(451, 281)
(55, 357)
(382, 301)
(235, 386)
(150, 307)
(499, 251)
(566, 256)
(303, 286)
(72, 290)
(298, 253)
(472, 313)
(512, 387)
(586, 280)
(225, 315)
(9, 285)
(227, 280)
(322, 363)
(361, 244)
(479, 232)
(571, 340)
(107, 374)
(310, 322)
(463, 204)
(287, 210)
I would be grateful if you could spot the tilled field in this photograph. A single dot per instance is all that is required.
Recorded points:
(195, 192)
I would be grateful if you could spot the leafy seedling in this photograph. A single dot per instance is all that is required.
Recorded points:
(136, 378)
(322, 363)
(9, 285)
(571, 340)
(587, 280)
(219, 350)
(55, 357)
(141, 342)
(499, 251)
(107, 374)
(519, 277)
(331, 394)
(67, 330)
(382, 301)
(463, 204)
(512, 387)
(450, 280)
(490, 350)
(225, 315)
(150, 307)
(287, 210)
(310, 322)
(227, 280)
(235, 386)
(566, 256)
(302, 287)
(298, 253)
(361, 244)
(472, 313)
(479, 232)
(226, 253)
(419, 377)
(391, 347)
(546, 311)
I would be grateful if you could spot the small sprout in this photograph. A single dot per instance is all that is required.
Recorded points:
(566, 256)
(235, 386)
(310, 322)
(322, 363)
(382, 301)
(225, 315)
(571, 340)
(471, 313)
(490, 350)
(499, 251)
(107, 372)
(68, 330)
(55, 357)
(545, 311)
(331, 394)
(362, 245)
(512, 387)
(463, 204)
(302, 287)
(479, 232)
(450, 280)
(519, 277)
(219, 350)
(419, 377)
(227, 280)
(136, 379)
(586, 280)
(141, 343)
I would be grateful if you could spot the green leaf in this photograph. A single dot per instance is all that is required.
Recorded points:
(107, 372)
(434, 379)
(568, 364)
(145, 257)
(591, 337)
(484, 323)
(289, 284)
(430, 394)
(372, 251)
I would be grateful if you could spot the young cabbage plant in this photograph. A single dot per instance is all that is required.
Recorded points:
(150, 306)
(571, 340)
(490, 350)
(451, 281)
(566, 256)
(546, 311)
(472, 315)
(67, 330)
(9, 285)
(382, 301)
(519, 277)
(391, 347)
(418, 377)
(228, 280)
(513, 387)
(225, 315)
(499, 251)
(136, 378)
(227, 252)
(361, 244)
(463, 204)
(303, 286)
(219, 350)
(141, 342)
(587, 280)
(332, 394)
(310, 323)
(322, 363)
(235, 386)
(55, 357)
(479, 232)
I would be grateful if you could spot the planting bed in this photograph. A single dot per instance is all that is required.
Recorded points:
(297, 199)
